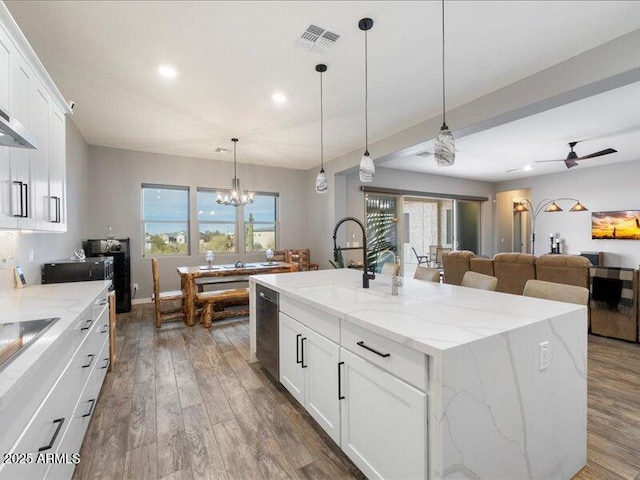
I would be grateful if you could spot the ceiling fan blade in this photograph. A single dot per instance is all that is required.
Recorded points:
(570, 163)
(598, 154)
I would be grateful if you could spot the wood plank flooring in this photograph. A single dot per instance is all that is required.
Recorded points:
(184, 403)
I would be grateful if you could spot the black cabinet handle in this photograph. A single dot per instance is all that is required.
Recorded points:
(91, 357)
(59, 218)
(88, 326)
(340, 396)
(302, 347)
(298, 348)
(92, 402)
(59, 421)
(21, 213)
(102, 302)
(26, 200)
(383, 355)
(106, 329)
(106, 365)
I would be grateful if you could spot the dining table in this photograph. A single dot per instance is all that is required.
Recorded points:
(189, 275)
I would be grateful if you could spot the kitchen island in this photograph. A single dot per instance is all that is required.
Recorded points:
(438, 382)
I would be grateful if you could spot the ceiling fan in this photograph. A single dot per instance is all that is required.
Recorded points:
(573, 158)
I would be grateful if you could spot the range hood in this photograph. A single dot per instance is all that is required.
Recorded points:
(14, 134)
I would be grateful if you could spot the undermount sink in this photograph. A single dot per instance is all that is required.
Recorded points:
(339, 294)
(15, 337)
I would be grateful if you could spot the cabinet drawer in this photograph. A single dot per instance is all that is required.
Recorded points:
(84, 323)
(398, 359)
(87, 356)
(101, 303)
(322, 323)
(45, 431)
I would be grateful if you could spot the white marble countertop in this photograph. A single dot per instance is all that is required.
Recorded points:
(429, 317)
(63, 300)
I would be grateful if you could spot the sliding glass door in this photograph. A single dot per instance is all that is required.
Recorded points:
(467, 233)
(382, 229)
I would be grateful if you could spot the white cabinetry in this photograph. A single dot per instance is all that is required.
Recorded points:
(59, 423)
(308, 369)
(32, 182)
(357, 390)
(383, 421)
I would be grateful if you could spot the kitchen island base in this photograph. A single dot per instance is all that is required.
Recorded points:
(438, 382)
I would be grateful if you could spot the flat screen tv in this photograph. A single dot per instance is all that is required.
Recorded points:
(618, 225)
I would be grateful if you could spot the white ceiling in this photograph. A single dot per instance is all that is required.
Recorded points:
(231, 56)
(607, 120)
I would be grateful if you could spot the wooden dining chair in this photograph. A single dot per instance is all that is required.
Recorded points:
(479, 281)
(160, 298)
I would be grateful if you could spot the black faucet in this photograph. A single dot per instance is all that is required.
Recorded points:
(366, 275)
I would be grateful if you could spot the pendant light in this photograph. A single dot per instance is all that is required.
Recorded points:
(322, 186)
(445, 147)
(236, 197)
(367, 167)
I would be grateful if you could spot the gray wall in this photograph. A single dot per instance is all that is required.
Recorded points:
(53, 246)
(610, 187)
(115, 179)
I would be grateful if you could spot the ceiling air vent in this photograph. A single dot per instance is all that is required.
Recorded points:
(317, 38)
(222, 150)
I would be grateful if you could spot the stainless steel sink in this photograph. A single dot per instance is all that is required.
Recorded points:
(15, 337)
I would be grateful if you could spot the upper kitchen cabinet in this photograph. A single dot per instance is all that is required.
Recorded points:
(32, 181)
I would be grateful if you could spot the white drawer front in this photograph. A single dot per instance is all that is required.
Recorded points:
(84, 323)
(320, 322)
(45, 431)
(398, 359)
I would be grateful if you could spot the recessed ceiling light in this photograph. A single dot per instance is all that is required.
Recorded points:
(527, 168)
(167, 71)
(279, 97)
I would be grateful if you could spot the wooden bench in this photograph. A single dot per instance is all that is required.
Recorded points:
(214, 304)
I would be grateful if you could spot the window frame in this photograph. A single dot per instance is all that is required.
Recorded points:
(144, 222)
(276, 222)
(236, 236)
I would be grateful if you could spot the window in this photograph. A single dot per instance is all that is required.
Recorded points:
(216, 224)
(165, 218)
(261, 223)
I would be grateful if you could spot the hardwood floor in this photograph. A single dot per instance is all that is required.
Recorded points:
(184, 403)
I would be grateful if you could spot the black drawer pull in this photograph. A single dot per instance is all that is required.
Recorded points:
(106, 365)
(383, 355)
(298, 348)
(91, 357)
(59, 421)
(92, 402)
(88, 326)
(340, 396)
(302, 348)
(102, 302)
(106, 329)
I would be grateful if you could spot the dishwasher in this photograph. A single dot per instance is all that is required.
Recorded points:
(267, 311)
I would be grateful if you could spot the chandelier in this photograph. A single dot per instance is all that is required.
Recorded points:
(236, 196)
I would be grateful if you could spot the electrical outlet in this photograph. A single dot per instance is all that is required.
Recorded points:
(3, 262)
(545, 355)
(135, 287)
(31, 255)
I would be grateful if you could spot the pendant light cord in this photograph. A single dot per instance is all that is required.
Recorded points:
(366, 95)
(321, 128)
(444, 122)
(234, 160)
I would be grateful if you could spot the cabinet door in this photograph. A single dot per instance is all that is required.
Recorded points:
(39, 159)
(19, 102)
(321, 356)
(383, 428)
(57, 175)
(291, 371)
(8, 197)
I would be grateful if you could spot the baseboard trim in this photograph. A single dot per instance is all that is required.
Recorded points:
(140, 301)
